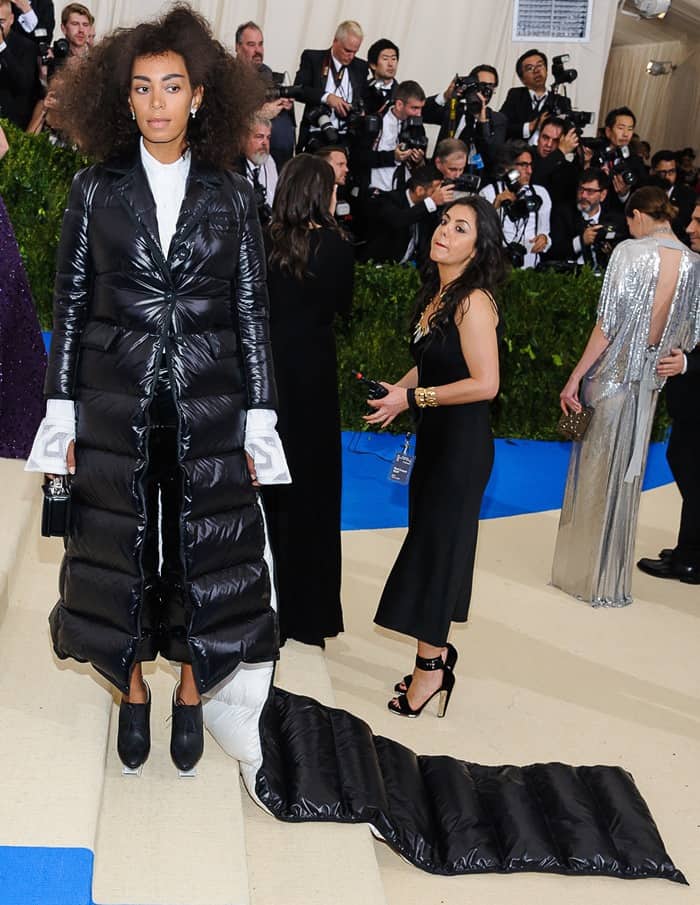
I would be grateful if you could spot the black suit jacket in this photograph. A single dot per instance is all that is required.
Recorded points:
(45, 14)
(312, 76)
(391, 220)
(685, 199)
(517, 108)
(487, 137)
(683, 391)
(558, 175)
(19, 75)
(567, 223)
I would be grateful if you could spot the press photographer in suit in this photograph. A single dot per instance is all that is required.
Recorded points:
(582, 234)
(19, 71)
(556, 162)
(383, 61)
(250, 46)
(683, 454)
(333, 78)
(526, 108)
(37, 14)
(395, 217)
(664, 167)
(462, 111)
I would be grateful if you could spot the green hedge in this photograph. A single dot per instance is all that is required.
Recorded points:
(34, 181)
(547, 316)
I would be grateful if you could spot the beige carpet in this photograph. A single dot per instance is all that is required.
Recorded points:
(540, 677)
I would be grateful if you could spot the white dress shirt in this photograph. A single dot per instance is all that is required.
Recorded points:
(168, 182)
(539, 100)
(267, 176)
(524, 231)
(382, 178)
(344, 90)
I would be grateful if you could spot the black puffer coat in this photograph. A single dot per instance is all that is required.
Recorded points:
(119, 307)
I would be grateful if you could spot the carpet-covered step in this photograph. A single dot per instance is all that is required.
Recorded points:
(19, 516)
(54, 728)
(164, 839)
(308, 864)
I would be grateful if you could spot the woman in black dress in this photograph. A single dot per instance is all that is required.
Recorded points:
(455, 346)
(310, 280)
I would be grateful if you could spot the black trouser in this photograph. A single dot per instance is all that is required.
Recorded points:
(683, 456)
(163, 617)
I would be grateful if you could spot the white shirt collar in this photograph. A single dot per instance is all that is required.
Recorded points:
(177, 170)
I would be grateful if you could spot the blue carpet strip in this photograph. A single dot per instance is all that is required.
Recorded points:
(45, 876)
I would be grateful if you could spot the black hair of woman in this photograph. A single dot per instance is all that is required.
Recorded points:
(94, 108)
(487, 270)
(302, 203)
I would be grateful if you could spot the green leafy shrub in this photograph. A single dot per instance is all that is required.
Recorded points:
(546, 316)
(35, 179)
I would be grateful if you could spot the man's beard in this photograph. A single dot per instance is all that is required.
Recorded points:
(259, 159)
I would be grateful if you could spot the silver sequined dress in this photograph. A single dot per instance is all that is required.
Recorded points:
(595, 543)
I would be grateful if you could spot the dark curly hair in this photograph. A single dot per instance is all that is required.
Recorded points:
(93, 96)
(302, 203)
(487, 270)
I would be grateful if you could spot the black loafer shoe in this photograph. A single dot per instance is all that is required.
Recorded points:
(134, 736)
(667, 568)
(666, 553)
(187, 735)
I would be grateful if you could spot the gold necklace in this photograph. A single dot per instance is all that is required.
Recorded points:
(423, 325)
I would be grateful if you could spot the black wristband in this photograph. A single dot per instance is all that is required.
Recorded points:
(411, 399)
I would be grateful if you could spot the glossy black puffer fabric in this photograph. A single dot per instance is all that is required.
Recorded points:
(447, 816)
(121, 310)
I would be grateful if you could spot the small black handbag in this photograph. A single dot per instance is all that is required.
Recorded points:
(55, 513)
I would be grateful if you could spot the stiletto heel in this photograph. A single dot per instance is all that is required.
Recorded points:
(450, 663)
(134, 735)
(400, 705)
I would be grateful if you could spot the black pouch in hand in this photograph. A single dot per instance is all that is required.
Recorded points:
(55, 513)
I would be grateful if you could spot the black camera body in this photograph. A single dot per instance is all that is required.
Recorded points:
(412, 134)
(362, 124)
(563, 76)
(527, 201)
(466, 184)
(516, 251)
(617, 160)
(467, 88)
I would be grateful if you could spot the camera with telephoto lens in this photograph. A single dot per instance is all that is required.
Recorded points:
(320, 117)
(527, 201)
(360, 123)
(468, 88)
(412, 135)
(278, 89)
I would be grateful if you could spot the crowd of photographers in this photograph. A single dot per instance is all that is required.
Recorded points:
(560, 196)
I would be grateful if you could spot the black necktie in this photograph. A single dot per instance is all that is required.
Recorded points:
(256, 176)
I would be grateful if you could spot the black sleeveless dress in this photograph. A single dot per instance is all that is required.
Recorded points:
(431, 581)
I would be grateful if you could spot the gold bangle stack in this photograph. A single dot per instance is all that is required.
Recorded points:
(426, 397)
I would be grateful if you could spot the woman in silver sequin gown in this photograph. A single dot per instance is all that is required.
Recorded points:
(649, 305)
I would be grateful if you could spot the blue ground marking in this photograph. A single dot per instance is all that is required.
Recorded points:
(528, 476)
(45, 876)
(47, 341)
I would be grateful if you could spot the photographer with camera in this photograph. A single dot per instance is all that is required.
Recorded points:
(250, 47)
(664, 172)
(331, 80)
(556, 161)
(18, 70)
(383, 61)
(583, 234)
(337, 157)
(528, 107)
(523, 209)
(462, 111)
(258, 167)
(396, 218)
(382, 161)
(626, 170)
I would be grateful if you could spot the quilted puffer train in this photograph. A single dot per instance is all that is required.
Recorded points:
(120, 306)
